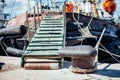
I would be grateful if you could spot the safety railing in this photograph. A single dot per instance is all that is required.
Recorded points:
(33, 18)
(64, 14)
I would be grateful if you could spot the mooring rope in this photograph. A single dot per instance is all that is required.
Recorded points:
(84, 31)
(112, 54)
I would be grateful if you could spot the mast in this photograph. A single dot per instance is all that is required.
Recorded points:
(95, 11)
(78, 10)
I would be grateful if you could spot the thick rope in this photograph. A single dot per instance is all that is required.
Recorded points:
(112, 54)
(84, 31)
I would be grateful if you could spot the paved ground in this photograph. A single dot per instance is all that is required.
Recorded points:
(11, 70)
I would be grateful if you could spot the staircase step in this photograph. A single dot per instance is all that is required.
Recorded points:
(40, 44)
(45, 19)
(48, 26)
(37, 48)
(49, 32)
(49, 29)
(53, 21)
(42, 53)
(48, 36)
(46, 40)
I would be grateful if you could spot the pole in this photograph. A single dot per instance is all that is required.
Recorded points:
(41, 5)
(28, 33)
(78, 10)
(35, 19)
(95, 12)
(47, 4)
(64, 14)
(38, 13)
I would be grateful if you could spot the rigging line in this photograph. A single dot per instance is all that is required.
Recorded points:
(84, 31)
(109, 53)
(90, 22)
(100, 38)
(78, 23)
(12, 8)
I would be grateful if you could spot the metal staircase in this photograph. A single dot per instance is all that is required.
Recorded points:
(46, 41)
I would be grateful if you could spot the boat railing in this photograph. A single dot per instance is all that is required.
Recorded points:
(33, 16)
(64, 14)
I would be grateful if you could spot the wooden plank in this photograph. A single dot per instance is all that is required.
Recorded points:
(47, 49)
(41, 61)
(44, 53)
(52, 21)
(45, 30)
(44, 42)
(48, 36)
(47, 52)
(50, 29)
(47, 39)
(43, 47)
(51, 26)
(40, 44)
(44, 27)
(35, 41)
(49, 32)
(47, 16)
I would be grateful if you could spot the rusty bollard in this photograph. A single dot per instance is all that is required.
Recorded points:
(83, 58)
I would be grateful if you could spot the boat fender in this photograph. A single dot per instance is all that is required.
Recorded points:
(10, 31)
(14, 51)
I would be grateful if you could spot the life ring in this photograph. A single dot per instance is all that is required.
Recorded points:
(69, 6)
(109, 6)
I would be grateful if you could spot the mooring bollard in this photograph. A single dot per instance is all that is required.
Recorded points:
(83, 58)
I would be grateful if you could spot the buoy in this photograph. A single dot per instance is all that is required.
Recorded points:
(109, 6)
(69, 6)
